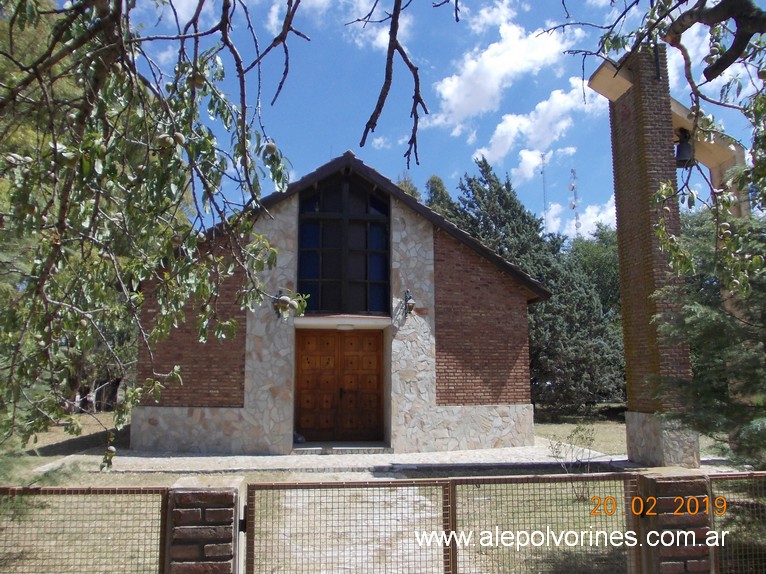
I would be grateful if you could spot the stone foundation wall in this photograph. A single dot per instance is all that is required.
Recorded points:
(660, 442)
(265, 424)
(440, 428)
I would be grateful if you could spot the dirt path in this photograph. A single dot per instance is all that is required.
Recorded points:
(326, 531)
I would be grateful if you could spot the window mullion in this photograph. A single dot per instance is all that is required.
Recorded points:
(344, 252)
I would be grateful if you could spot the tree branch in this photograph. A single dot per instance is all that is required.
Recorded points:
(749, 20)
(395, 47)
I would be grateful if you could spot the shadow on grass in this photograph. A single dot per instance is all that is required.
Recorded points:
(75, 444)
(12, 558)
(606, 412)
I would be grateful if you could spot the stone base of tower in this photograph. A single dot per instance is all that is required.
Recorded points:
(655, 441)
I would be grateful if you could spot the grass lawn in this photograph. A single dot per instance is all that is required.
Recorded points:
(608, 426)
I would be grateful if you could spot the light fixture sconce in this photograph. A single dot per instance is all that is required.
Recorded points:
(409, 303)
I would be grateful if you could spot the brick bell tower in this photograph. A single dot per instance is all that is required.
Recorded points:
(643, 157)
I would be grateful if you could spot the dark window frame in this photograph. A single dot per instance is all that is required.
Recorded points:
(341, 293)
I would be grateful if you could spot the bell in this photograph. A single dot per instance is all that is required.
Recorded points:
(684, 155)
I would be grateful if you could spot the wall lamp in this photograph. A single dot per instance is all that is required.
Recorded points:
(409, 303)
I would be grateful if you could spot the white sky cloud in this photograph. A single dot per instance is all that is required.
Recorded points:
(553, 218)
(376, 35)
(167, 56)
(561, 219)
(598, 3)
(381, 143)
(491, 16)
(530, 164)
(539, 129)
(275, 18)
(186, 9)
(373, 35)
(485, 74)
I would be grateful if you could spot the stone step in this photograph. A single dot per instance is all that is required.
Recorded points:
(342, 448)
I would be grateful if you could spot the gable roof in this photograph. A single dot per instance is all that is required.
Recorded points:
(349, 163)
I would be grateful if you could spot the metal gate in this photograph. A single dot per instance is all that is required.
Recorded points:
(446, 526)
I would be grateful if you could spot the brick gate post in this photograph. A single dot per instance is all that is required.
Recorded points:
(673, 529)
(203, 528)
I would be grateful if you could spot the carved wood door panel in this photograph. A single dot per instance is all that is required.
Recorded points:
(339, 390)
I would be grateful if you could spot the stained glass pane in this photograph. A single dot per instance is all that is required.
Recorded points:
(309, 234)
(378, 298)
(378, 267)
(378, 237)
(308, 265)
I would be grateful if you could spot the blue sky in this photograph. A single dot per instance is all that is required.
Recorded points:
(495, 85)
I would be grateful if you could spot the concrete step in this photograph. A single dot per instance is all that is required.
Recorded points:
(342, 448)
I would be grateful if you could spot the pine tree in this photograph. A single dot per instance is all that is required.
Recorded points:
(576, 355)
(490, 210)
(726, 397)
(597, 255)
(438, 198)
(408, 186)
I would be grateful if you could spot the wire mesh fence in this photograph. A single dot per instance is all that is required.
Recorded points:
(546, 524)
(742, 497)
(344, 527)
(543, 524)
(71, 531)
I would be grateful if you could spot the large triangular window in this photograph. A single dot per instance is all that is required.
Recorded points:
(343, 238)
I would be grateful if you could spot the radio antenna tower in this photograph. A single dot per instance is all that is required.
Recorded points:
(545, 193)
(573, 205)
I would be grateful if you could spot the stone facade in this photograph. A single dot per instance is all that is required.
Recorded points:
(264, 423)
(656, 441)
(420, 420)
(425, 406)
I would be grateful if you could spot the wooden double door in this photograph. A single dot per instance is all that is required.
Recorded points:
(339, 387)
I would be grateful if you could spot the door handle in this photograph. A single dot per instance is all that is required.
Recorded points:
(342, 392)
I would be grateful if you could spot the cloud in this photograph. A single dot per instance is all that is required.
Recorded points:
(553, 218)
(167, 56)
(484, 74)
(381, 143)
(275, 18)
(490, 17)
(530, 164)
(539, 129)
(562, 220)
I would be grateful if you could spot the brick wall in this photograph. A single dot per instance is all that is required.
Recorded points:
(202, 531)
(482, 345)
(213, 373)
(667, 493)
(643, 158)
